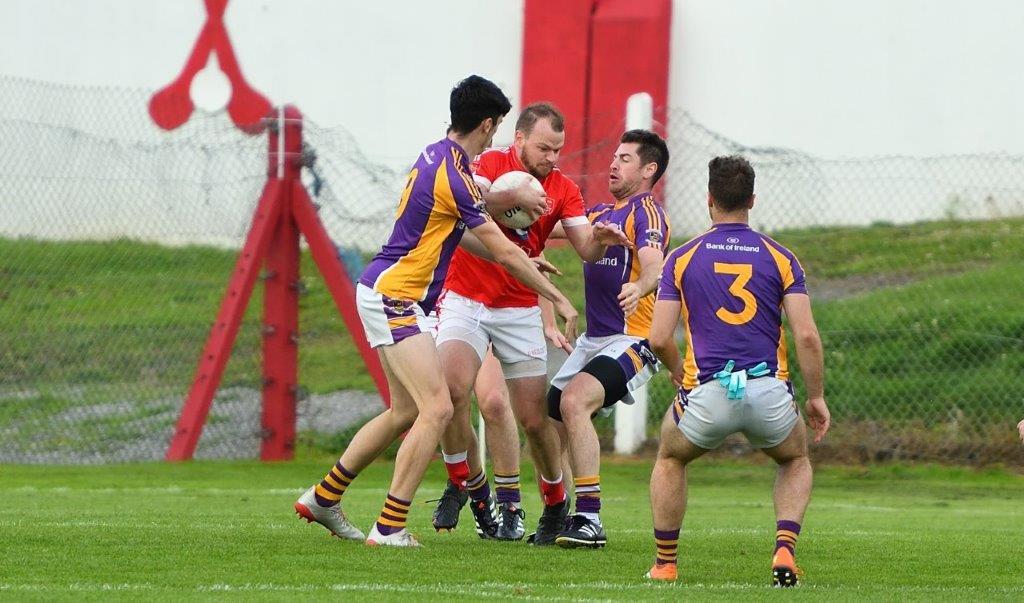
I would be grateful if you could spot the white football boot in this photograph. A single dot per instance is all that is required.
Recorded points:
(399, 538)
(332, 518)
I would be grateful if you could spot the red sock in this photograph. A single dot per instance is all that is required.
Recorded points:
(458, 468)
(553, 493)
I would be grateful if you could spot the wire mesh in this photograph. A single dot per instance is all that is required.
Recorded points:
(117, 239)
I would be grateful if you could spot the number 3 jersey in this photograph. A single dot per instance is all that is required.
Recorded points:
(731, 281)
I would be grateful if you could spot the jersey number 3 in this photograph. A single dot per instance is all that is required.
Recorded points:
(743, 272)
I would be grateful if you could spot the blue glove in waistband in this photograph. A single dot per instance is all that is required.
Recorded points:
(735, 383)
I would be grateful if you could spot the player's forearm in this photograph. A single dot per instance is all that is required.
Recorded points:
(591, 251)
(666, 351)
(585, 243)
(473, 245)
(547, 313)
(811, 357)
(516, 261)
(648, 280)
(499, 202)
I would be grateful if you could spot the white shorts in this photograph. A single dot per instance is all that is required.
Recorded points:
(429, 323)
(766, 414)
(387, 320)
(633, 354)
(515, 335)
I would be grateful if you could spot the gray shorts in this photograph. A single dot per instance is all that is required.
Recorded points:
(765, 415)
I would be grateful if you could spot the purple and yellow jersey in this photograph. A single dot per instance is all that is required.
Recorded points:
(731, 281)
(644, 222)
(439, 201)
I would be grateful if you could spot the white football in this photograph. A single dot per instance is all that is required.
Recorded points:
(516, 217)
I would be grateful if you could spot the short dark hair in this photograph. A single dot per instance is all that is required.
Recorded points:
(652, 149)
(536, 111)
(730, 182)
(473, 100)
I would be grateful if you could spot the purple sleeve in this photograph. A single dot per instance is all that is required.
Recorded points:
(651, 227)
(668, 288)
(468, 201)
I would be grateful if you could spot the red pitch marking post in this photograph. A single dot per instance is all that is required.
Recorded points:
(283, 213)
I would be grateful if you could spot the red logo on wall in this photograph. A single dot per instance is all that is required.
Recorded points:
(171, 106)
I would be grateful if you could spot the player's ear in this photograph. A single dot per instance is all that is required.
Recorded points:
(487, 126)
(711, 200)
(753, 198)
(649, 170)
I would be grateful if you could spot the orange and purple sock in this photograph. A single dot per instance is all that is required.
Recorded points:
(588, 496)
(786, 534)
(328, 492)
(479, 489)
(506, 486)
(667, 544)
(393, 516)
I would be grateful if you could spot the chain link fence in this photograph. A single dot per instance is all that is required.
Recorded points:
(913, 265)
(116, 243)
(117, 240)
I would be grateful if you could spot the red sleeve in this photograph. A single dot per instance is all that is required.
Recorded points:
(486, 166)
(573, 205)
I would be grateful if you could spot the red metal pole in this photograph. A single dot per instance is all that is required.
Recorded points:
(336, 277)
(222, 334)
(281, 302)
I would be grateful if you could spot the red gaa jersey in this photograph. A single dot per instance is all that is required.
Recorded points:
(488, 282)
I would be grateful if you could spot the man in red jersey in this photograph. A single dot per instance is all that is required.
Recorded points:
(485, 306)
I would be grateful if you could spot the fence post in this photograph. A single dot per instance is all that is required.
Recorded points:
(631, 420)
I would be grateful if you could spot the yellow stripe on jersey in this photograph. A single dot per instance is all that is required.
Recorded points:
(783, 264)
(655, 221)
(786, 274)
(471, 185)
(410, 276)
(690, 368)
(653, 217)
(406, 192)
(637, 324)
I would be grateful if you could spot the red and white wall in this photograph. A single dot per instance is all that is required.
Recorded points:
(834, 78)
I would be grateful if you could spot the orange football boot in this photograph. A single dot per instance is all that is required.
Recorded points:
(665, 571)
(784, 570)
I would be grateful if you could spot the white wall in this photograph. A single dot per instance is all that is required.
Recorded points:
(833, 78)
(854, 78)
(382, 69)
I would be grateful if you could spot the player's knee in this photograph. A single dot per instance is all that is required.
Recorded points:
(534, 424)
(438, 412)
(494, 405)
(575, 406)
(460, 399)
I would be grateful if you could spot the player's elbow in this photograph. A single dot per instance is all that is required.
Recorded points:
(807, 338)
(661, 343)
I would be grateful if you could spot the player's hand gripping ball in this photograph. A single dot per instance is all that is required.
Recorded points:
(516, 217)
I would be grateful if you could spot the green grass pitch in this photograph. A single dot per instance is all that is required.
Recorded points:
(226, 531)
